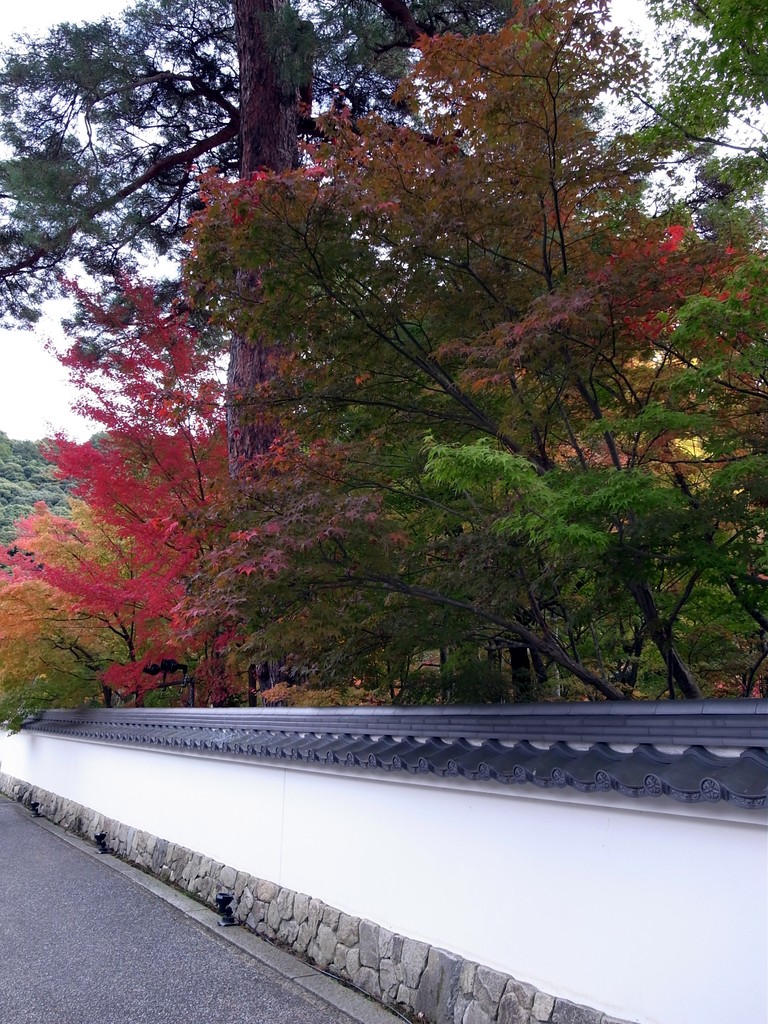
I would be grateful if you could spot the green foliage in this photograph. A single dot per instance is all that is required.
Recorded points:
(109, 123)
(466, 259)
(106, 123)
(29, 698)
(466, 678)
(711, 103)
(590, 383)
(26, 477)
(727, 42)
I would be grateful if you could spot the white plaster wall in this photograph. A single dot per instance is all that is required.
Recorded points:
(650, 910)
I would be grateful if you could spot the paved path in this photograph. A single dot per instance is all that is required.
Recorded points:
(86, 939)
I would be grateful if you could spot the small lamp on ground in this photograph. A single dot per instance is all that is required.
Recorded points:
(224, 907)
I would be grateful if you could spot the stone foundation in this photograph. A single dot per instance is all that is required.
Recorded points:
(419, 980)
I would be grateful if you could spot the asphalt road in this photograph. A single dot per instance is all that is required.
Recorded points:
(82, 941)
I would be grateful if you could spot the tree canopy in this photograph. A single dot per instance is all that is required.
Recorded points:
(109, 123)
(99, 589)
(513, 395)
(710, 100)
(505, 408)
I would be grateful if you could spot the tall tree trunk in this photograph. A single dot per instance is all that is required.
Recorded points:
(268, 99)
(661, 635)
(268, 139)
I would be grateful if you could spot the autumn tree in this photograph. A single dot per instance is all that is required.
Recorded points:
(88, 602)
(49, 655)
(116, 568)
(510, 401)
(110, 122)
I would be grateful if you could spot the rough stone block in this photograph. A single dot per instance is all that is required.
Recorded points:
(353, 964)
(476, 1014)
(386, 944)
(300, 908)
(227, 877)
(208, 889)
(570, 1013)
(315, 914)
(436, 994)
(288, 932)
(467, 977)
(246, 900)
(460, 1007)
(326, 944)
(331, 917)
(284, 903)
(303, 937)
(388, 980)
(340, 958)
(159, 855)
(523, 993)
(413, 959)
(242, 879)
(368, 980)
(348, 930)
(273, 916)
(512, 1012)
(489, 988)
(266, 891)
(255, 917)
(369, 944)
(465, 991)
(143, 858)
(543, 1005)
(405, 996)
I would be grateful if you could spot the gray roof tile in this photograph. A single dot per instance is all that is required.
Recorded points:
(546, 745)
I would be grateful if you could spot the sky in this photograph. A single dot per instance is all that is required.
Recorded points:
(35, 398)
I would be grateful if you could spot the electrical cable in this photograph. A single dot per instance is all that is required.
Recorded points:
(342, 981)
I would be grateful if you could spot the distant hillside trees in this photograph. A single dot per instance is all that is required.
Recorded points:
(26, 477)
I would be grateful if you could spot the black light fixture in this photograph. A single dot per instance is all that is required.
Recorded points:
(169, 666)
(224, 907)
(35, 808)
(101, 841)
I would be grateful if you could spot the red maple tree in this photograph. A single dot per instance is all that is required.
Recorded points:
(143, 488)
